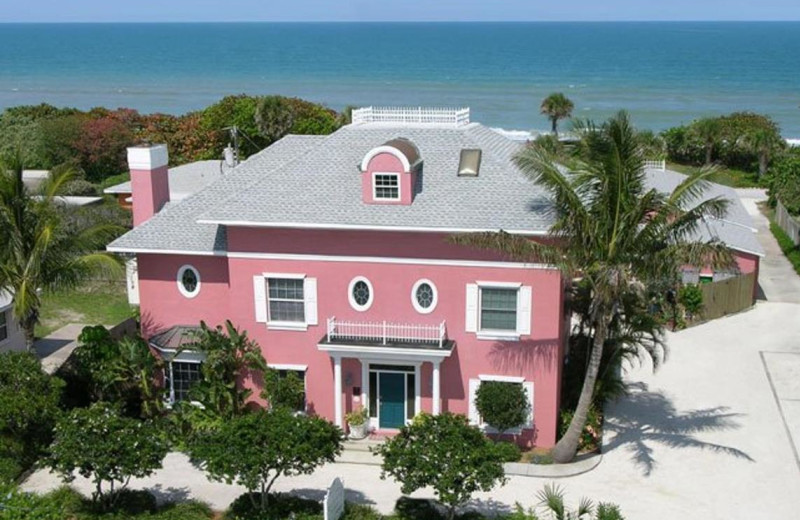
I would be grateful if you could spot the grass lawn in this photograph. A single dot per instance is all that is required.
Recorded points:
(722, 175)
(97, 303)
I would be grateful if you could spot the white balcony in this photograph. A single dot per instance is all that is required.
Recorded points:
(386, 333)
(655, 165)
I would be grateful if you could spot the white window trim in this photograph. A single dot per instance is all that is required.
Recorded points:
(415, 303)
(375, 198)
(295, 368)
(179, 281)
(7, 315)
(353, 303)
(501, 379)
(171, 390)
(494, 334)
(285, 325)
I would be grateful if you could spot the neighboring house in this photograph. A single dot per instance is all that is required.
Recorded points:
(184, 181)
(11, 335)
(332, 252)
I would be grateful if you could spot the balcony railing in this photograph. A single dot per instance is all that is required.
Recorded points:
(655, 165)
(412, 115)
(384, 332)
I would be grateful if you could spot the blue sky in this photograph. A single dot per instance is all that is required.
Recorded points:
(399, 10)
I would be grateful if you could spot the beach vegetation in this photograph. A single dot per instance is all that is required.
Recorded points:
(556, 107)
(255, 449)
(621, 236)
(43, 253)
(447, 454)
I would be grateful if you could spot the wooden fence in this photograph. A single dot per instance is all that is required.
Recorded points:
(728, 296)
(788, 223)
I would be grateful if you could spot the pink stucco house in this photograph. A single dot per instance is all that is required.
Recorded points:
(332, 253)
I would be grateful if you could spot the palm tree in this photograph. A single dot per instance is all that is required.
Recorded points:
(708, 132)
(551, 498)
(557, 106)
(40, 253)
(612, 230)
(764, 143)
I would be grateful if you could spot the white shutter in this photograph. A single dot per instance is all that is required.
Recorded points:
(132, 276)
(524, 310)
(471, 322)
(260, 300)
(310, 294)
(474, 416)
(528, 387)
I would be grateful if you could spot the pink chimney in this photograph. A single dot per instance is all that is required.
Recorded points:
(149, 180)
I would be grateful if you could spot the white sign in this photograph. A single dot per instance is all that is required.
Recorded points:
(333, 505)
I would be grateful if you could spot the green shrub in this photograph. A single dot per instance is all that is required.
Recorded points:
(590, 437)
(691, 297)
(80, 188)
(360, 512)
(191, 510)
(790, 250)
(508, 451)
(280, 506)
(502, 405)
(783, 181)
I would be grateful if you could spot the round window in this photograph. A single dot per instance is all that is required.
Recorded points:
(188, 281)
(424, 296)
(360, 294)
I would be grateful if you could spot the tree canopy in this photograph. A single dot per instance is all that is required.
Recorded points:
(556, 107)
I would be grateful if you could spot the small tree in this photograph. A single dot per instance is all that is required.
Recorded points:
(557, 106)
(101, 445)
(283, 391)
(707, 131)
(274, 117)
(445, 453)
(691, 297)
(551, 498)
(503, 406)
(254, 449)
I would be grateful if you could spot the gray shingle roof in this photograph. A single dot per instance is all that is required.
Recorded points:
(184, 180)
(175, 227)
(323, 188)
(314, 181)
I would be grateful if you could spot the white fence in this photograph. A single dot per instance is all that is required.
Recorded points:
(788, 223)
(655, 165)
(333, 503)
(385, 332)
(412, 115)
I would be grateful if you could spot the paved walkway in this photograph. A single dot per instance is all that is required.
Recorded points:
(55, 348)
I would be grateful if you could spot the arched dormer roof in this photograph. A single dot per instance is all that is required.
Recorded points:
(405, 151)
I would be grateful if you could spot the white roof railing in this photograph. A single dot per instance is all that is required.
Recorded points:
(384, 332)
(412, 115)
(655, 165)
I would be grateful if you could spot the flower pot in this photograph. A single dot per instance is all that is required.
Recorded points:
(358, 431)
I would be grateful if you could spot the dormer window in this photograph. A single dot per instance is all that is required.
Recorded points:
(386, 186)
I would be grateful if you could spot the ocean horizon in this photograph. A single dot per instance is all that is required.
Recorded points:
(663, 73)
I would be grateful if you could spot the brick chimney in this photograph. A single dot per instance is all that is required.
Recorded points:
(149, 180)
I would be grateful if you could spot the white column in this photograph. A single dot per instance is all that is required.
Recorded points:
(337, 392)
(418, 387)
(437, 404)
(365, 383)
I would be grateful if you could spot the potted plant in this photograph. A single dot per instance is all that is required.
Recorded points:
(357, 422)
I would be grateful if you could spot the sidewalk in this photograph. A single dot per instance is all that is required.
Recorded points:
(55, 349)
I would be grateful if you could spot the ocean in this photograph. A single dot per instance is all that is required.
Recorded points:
(663, 73)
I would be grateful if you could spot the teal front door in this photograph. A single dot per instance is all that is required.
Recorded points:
(392, 400)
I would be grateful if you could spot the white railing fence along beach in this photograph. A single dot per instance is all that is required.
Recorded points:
(412, 115)
(385, 332)
(656, 165)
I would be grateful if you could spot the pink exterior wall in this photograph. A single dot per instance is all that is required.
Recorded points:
(388, 163)
(227, 292)
(152, 192)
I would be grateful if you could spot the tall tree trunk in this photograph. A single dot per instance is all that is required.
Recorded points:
(567, 446)
(29, 329)
(709, 152)
(763, 163)
(554, 121)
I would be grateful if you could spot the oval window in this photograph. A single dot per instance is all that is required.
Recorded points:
(360, 294)
(424, 296)
(188, 281)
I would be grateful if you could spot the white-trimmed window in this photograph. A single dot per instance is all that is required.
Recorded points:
(474, 415)
(285, 301)
(424, 296)
(360, 293)
(188, 280)
(179, 377)
(385, 186)
(3, 326)
(498, 310)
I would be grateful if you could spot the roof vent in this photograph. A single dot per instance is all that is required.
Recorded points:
(470, 163)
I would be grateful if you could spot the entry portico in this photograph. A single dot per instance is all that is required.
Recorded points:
(391, 357)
